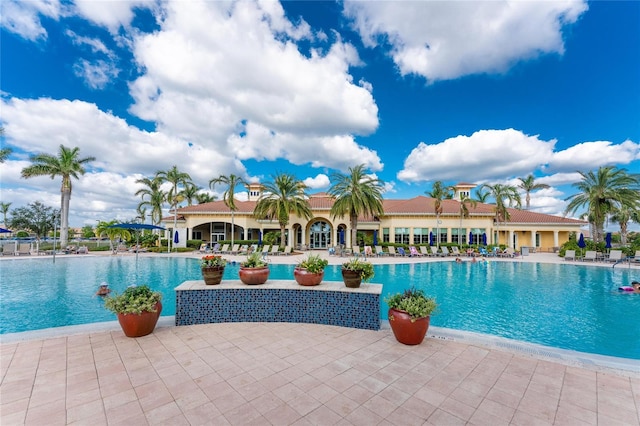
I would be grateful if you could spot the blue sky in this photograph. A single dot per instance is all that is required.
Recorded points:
(482, 92)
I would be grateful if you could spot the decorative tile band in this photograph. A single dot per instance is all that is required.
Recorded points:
(330, 303)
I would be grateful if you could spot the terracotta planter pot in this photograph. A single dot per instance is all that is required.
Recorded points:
(351, 278)
(138, 325)
(212, 275)
(253, 276)
(407, 332)
(306, 278)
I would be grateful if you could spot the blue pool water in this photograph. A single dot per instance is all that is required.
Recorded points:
(564, 306)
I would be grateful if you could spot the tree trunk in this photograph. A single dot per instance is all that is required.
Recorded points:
(232, 227)
(64, 217)
(282, 236)
(354, 230)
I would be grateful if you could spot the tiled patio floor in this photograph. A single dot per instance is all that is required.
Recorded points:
(280, 374)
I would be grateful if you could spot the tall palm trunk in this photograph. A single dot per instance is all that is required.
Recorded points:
(64, 217)
(233, 227)
(353, 222)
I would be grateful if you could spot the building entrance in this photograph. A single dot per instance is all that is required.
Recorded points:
(320, 235)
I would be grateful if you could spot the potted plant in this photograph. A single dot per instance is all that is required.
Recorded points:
(409, 315)
(254, 270)
(355, 271)
(138, 309)
(310, 271)
(212, 268)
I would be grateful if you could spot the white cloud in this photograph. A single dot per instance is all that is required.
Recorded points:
(96, 74)
(319, 182)
(111, 14)
(445, 40)
(485, 155)
(591, 155)
(210, 80)
(94, 44)
(23, 17)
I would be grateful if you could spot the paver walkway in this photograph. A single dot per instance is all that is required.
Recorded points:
(280, 374)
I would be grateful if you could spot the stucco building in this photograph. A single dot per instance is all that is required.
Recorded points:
(406, 221)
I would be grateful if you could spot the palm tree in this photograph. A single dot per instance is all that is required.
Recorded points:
(282, 197)
(439, 192)
(203, 197)
(465, 201)
(4, 152)
(228, 197)
(66, 165)
(482, 195)
(4, 209)
(103, 228)
(528, 185)
(602, 192)
(501, 193)
(189, 193)
(142, 213)
(356, 194)
(176, 178)
(152, 197)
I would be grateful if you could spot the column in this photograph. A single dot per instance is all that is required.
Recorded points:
(555, 238)
(510, 242)
(533, 238)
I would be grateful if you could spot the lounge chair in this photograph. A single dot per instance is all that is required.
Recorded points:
(204, 248)
(216, 248)
(82, 250)
(356, 251)
(244, 249)
(413, 252)
(265, 249)
(434, 251)
(252, 249)
(508, 252)
(287, 251)
(225, 249)
(616, 256)
(445, 251)
(380, 251)
(636, 258)
(23, 249)
(455, 251)
(368, 251)
(275, 250)
(570, 255)
(235, 249)
(424, 251)
(392, 251)
(401, 252)
(590, 255)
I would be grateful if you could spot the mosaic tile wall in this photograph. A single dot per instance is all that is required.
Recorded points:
(341, 308)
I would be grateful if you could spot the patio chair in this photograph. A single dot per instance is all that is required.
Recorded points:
(235, 249)
(455, 251)
(244, 249)
(368, 251)
(356, 251)
(413, 252)
(275, 250)
(424, 251)
(23, 248)
(225, 249)
(392, 251)
(380, 251)
(216, 248)
(204, 248)
(590, 255)
(445, 251)
(616, 256)
(287, 251)
(265, 249)
(401, 252)
(570, 255)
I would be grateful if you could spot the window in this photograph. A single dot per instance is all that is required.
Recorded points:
(442, 237)
(197, 235)
(459, 235)
(402, 236)
(421, 235)
(385, 235)
(477, 235)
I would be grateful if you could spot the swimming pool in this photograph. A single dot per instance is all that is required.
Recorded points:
(564, 306)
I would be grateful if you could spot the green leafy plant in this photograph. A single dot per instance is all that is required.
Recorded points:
(313, 264)
(414, 302)
(212, 261)
(254, 260)
(134, 300)
(365, 268)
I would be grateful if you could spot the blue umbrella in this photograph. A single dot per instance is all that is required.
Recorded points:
(470, 238)
(430, 238)
(375, 238)
(608, 240)
(259, 238)
(176, 237)
(341, 237)
(484, 238)
(581, 242)
(3, 231)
